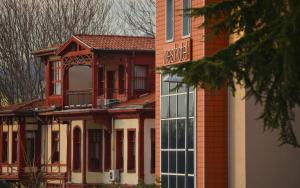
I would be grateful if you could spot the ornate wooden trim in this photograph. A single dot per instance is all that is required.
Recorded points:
(84, 59)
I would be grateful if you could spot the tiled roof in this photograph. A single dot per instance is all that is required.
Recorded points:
(49, 49)
(116, 42)
(143, 101)
(37, 103)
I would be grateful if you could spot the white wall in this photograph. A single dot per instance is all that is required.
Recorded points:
(267, 164)
(237, 140)
(255, 159)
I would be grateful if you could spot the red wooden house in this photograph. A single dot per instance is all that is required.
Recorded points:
(98, 115)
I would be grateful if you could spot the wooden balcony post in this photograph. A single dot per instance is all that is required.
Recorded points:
(94, 78)
(21, 145)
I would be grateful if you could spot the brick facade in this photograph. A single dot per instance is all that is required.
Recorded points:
(211, 106)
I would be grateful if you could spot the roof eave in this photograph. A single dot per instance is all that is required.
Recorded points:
(123, 50)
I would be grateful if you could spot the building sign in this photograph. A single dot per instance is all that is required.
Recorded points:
(177, 52)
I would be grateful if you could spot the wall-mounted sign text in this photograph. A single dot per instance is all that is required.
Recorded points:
(177, 52)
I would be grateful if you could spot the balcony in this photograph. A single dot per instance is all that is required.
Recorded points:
(78, 99)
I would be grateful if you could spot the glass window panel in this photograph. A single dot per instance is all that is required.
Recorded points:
(164, 181)
(172, 181)
(172, 134)
(186, 18)
(170, 19)
(190, 181)
(180, 162)
(173, 88)
(172, 162)
(182, 105)
(164, 107)
(190, 165)
(182, 88)
(164, 88)
(180, 133)
(164, 161)
(191, 104)
(173, 106)
(164, 134)
(191, 133)
(57, 88)
(180, 181)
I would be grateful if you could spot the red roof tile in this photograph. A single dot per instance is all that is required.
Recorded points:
(115, 42)
(48, 50)
(37, 103)
(142, 100)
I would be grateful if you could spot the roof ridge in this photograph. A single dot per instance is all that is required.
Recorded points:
(114, 35)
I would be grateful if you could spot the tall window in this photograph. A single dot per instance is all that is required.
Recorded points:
(119, 149)
(186, 20)
(169, 19)
(140, 77)
(101, 81)
(55, 146)
(152, 142)
(95, 149)
(76, 149)
(30, 146)
(173, 126)
(56, 77)
(5, 147)
(107, 146)
(15, 147)
(121, 79)
(131, 150)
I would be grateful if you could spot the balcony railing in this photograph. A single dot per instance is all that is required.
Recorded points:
(112, 96)
(78, 99)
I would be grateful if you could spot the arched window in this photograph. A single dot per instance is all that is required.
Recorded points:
(76, 149)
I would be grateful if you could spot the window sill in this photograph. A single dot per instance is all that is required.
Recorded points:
(169, 41)
(186, 36)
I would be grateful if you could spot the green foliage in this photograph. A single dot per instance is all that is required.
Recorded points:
(4, 184)
(264, 60)
(141, 184)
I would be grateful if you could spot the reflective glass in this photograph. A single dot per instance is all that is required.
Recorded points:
(172, 162)
(172, 134)
(180, 133)
(164, 134)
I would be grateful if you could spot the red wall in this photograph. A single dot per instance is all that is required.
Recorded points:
(211, 107)
(111, 61)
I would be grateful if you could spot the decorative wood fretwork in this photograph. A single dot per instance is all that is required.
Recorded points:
(85, 59)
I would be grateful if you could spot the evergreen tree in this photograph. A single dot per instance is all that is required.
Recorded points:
(265, 60)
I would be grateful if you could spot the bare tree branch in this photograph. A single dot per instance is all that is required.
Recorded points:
(26, 25)
(139, 16)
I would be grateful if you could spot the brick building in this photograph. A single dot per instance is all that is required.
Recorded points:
(224, 145)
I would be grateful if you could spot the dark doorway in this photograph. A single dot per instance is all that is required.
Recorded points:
(110, 84)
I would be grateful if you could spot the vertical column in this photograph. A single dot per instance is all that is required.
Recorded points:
(47, 88)
(1, 147)
(141, 148)
(63, 81)
(69, 151)
(84, 153)
(94, 78)
(38, 145)
(21, 144)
